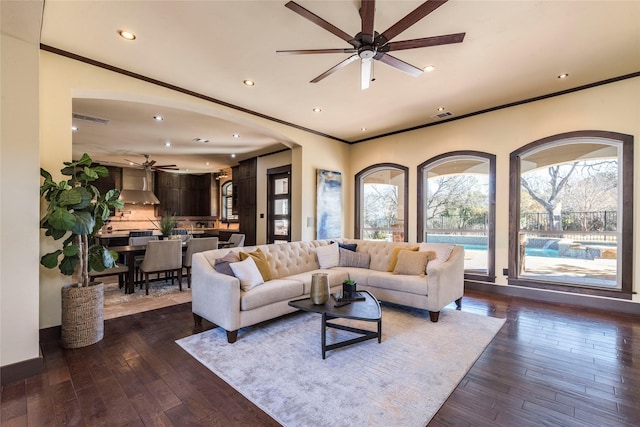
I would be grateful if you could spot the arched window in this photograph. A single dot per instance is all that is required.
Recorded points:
(571, 213)
(381, 203)
(456, 204)
(227, 202)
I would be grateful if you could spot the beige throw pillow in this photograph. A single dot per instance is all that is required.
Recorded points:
(248, 274)
(412, 263)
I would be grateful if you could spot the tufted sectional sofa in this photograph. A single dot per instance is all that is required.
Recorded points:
(219, 298)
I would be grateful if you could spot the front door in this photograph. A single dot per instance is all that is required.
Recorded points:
(279, 205)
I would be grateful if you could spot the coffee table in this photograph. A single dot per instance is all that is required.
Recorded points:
(367, 310)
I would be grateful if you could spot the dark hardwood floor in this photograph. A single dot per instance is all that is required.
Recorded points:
(548, 366)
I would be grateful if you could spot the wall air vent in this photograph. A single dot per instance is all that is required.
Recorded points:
(442, 115)
(86, 118)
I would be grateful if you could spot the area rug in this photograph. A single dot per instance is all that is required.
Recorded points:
(402, 381)
(113, 295)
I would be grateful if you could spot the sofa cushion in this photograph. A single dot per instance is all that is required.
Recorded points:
(442, 252)
(328, 256)
(335, 276)
(402, 283)
(261, 262)
(248, 273)
(271, 292)
(412, 262)
(394, 256)
(349, 258)
(221, 265)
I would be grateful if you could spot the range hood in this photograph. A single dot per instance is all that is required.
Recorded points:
(137, 187)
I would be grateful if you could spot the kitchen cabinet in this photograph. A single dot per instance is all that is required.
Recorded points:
(245, 197)
(114, 180)
(183, 195)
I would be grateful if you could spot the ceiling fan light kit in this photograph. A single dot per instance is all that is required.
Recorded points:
(369, 45)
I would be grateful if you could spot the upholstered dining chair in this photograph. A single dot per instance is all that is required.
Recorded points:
(197, 245)
(236, 240)
(162, 256)
(139, 241)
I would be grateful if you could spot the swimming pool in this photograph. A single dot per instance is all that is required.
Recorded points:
(542, 252)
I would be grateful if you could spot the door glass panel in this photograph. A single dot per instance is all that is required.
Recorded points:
(281, 207)
(281, 186)
(281, 227)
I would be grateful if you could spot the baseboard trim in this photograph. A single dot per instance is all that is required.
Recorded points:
(54, 333)
(556, 297)
(21, 370)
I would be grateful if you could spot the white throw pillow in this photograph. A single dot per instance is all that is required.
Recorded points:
(328, 256)
(248, 273)
(441, 250)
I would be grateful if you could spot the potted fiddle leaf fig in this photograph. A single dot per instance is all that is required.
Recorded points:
(76, 211)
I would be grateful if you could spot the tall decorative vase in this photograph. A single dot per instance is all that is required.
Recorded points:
(82, 315)
(319, 288)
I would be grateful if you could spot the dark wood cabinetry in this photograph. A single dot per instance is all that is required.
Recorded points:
(114, 180)
(183, 195)
(244, 198)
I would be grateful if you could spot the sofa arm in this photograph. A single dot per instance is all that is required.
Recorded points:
(214, 296)
(446, 281)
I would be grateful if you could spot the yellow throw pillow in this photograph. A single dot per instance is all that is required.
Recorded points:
(394, 256)
(413, 263)
(261, 262)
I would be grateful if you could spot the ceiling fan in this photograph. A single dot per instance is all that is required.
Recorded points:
(150, 165)
(369, 45)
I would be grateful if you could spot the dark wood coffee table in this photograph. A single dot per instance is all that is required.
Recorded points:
(367, 310)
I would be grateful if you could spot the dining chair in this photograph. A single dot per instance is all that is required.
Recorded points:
(236, 240)
(139, 241)
(197, 245)
(162, 256)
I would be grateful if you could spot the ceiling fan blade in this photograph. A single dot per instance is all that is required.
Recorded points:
(169, 167)
(366, 66)
(313, 51)
(426, 42)
(151, 163)
(335, 68)
(165, 166)
(417, 14)
(131, 162)
(318, 21)
(400, 65)
(367, 12)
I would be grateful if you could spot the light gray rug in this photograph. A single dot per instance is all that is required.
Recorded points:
(401, 382)
(116, 296)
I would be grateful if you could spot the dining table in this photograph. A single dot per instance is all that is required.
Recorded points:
(129, 252)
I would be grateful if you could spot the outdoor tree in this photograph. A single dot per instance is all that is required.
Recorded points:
(457, 199)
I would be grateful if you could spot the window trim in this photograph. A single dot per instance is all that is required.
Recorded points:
(491, 247)
(358, 194)
(626, 234)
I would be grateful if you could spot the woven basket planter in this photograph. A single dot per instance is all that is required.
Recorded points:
(82, 315)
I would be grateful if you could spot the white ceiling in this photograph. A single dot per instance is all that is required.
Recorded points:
(513, 50)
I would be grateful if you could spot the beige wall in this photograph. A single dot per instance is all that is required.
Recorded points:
(19, 201)
(614, 107)
(63, 78)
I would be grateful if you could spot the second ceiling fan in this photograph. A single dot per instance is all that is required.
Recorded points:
(369, 45)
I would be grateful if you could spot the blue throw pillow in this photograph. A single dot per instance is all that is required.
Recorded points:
(348, 246)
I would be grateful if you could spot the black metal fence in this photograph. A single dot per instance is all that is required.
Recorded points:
(570, 221)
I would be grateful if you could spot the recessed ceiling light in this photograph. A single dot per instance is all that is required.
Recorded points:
(167, 144)
(233, 156)
(74, 128)
(563, 76)
(207, 163)
(317, 109)
(429, 68)
(441, 108)
(236, 135)
(363, 129)
(249, 82)
(127, 35)
(158, 118)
